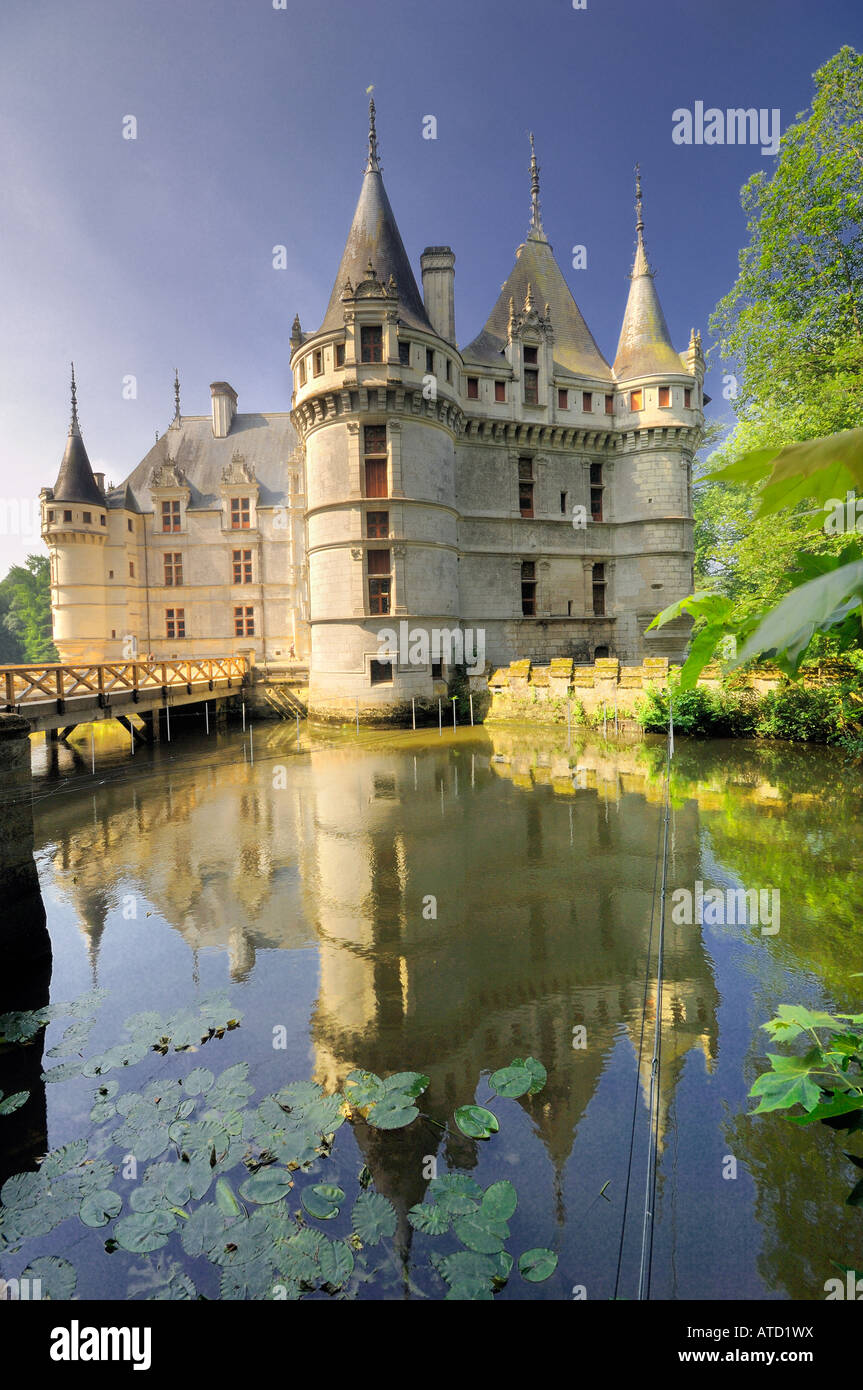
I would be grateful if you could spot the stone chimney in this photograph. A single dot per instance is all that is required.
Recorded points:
(100, 481)
(224, 408)
(438, 268)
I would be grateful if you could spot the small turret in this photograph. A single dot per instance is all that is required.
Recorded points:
(645, 347)
(76, 481)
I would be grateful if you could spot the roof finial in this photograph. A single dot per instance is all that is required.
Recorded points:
(639, 208)
(535, 214)
(74, 427)
(374, 162)
(176, 396)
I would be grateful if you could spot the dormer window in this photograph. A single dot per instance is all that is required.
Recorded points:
(371, 343)
(530, 355)
(171, 515)
(531, 386)
(240, 513)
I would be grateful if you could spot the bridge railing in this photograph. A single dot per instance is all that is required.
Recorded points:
(23, 685)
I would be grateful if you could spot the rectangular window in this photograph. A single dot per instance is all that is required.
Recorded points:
(128, 523)
(379, 561)
(525, 486)
(88, 518)
(563, 504)
(636, 400)
(596, 474)
(562, 399)
(381, 672)
(379, 596)
(587, 402)
(437, 670)
(318, 362)
(448, 370)
(430, 360)
(171, 515)
(531, 387)
(377, 525)
(687, 397)
(530, 355)
(596, 504)
(131, 570)
(665, 395)
(599, 591)
(173, 562)
(67, 516)
(500, 390)
(103, 519)
(240, 513)
(473, 388)
(375, 451)
(405, 354)
(301, 372)
(371, 343)
(528, 588)
(241, 566)
(175, 622)
(609, 405)
(50, 516)
(339, 351)
(244, 622)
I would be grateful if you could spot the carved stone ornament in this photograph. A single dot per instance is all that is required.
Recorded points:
(356, 552)
(238, 471)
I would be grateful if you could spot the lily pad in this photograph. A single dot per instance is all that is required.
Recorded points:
(511, 1082)
(429, 1218)
(8, 1104)
(208, 1230)
(98, 1208)
(481, 1234)
(373, 1218)
(499, 1201)
(267, 1185)
(58, 1277)
(476, 1122)
(537, 1265)
(537, 1071)
(199, 1081)
(322, 1201)
(145, 1230)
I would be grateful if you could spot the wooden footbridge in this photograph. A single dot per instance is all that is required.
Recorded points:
(54, 699)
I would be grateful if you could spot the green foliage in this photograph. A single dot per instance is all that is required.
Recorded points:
(826, 1080)
(701, 713)
(809, 714)
(14, 1102)
(25, 613)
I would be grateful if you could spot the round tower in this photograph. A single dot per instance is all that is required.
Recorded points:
(75, 529)
(376, 407)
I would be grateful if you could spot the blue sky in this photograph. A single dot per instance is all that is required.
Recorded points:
(136, 256)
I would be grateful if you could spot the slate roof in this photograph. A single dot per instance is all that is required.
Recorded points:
(75, 481)
(575, 349)
(266, 442)
(375, 237)
(645, 347)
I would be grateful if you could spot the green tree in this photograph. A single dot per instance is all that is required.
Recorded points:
(25, 605)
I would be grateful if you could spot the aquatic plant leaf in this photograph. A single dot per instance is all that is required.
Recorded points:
(429, 1218)
(208, 1231)
(103, 1110)
(393, 1112)
(162, 1279)
(373, 1217)
(511, 1082)
(23, 1026)
(456, 1192)
(21, 1191)
(82, 1007)
(145, 1230)
(499, 1201)
(62, 1160)
(480, 1233)
(406, 1083)
(267, 1185)
(322, 1201)
(537, 1071)
(473, 1290)
(64, 1072)
(58, 1277)
(299, 1093)
(199, 1081)
(503, 1266)
(467, 1267)
(231, 1088)
(247, 1282)
(73, 1040)
(225, 1199)
(537, 1265)
(476, 1122)
(363, 1088)
(98, 1208)
(8, 1104)
(336, 1262)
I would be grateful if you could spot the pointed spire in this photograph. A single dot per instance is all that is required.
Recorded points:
(536, 232)
(645, 347)
(374, 239)
(75, 481)
(373, 165)
(74, 427)
(176, 419)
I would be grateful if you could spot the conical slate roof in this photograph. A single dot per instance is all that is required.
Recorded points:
(574, 345)
(645, 347)
(75, 481)
(374, 236)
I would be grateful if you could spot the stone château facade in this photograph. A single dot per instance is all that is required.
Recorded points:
(520, 490)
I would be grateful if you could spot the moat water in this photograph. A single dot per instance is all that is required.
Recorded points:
(404, 901)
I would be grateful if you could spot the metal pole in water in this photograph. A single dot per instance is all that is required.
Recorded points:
(298, 729)
(453, 710)
(252, 745)
(413, 711)
(206, 716)
(568, 719)
(358, 717)
(604, 712)
(439, 724)
(93, 749)
(244, 716)
(168, 721)
(470, 697)
(132, 734)
(615, 711)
